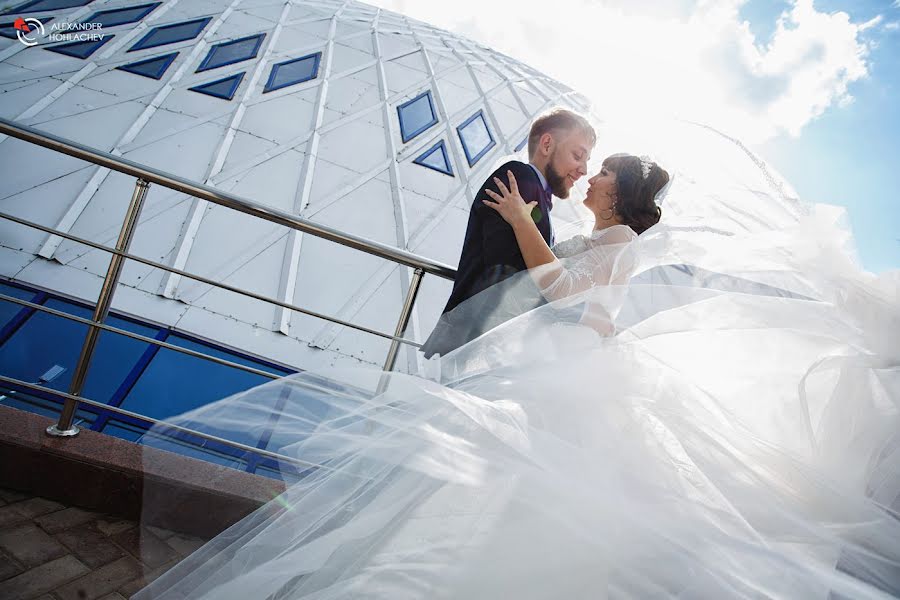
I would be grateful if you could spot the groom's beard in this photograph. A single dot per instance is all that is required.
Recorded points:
(556, 182)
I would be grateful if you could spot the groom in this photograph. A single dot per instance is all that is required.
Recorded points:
(559, 146)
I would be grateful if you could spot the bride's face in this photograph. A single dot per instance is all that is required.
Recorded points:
(601, 192)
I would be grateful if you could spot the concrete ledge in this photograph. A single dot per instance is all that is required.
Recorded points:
(105, 474)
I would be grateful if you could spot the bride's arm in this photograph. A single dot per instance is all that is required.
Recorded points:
(540, 260)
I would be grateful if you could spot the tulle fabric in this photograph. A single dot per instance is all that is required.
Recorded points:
(718, 417)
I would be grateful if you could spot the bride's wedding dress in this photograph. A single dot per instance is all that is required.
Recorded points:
(709, 410)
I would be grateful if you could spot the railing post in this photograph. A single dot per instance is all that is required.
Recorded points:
(402, 322)
(65, 427)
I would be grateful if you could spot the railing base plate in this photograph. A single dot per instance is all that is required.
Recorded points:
(55, 432)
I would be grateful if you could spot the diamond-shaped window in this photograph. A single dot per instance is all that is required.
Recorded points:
(8, 30)
(416, 116)
(221, 88)
(170, 34)
(151, 67)
(80, 49)
(436, 158)
(294, 71)
(37, 5)
(232, 52)
(121, 16)
(476, 138)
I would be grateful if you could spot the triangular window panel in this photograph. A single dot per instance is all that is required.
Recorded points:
(80, 49)
(8, 30)
(171, 34)
(152, 67)
(232, 52)
(436, 158)
(294, 71)
(221, 88)
(121, 16)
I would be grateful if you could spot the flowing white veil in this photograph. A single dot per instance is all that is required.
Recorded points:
(734, 432)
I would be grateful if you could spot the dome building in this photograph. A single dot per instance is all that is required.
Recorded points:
(356, 119)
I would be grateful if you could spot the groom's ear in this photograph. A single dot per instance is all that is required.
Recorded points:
(545, 143)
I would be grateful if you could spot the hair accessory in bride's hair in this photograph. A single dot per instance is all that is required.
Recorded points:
(646, 163)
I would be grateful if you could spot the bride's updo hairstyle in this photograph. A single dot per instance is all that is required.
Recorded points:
(637, 183)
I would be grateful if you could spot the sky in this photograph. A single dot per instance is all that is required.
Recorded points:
(812, 86)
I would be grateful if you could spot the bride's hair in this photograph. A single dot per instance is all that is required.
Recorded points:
(636, 192)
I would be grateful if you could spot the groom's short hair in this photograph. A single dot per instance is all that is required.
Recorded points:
(558, 119)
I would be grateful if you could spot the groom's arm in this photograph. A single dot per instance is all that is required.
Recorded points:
(498, 238)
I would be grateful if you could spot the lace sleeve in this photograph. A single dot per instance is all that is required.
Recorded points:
(609, 260)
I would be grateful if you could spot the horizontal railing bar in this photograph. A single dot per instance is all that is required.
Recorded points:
(202, 279)
(138, 336)
(210, 194)
(134, 415)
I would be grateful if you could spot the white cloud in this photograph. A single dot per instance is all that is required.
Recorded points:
(697, 59)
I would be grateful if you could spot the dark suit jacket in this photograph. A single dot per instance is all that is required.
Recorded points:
(490, 255)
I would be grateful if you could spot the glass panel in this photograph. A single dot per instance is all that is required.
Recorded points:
(42, 406)
(153, 67)
(111, 18)
(223, 88)
(169, 34)
(231, 52)
(8, 310)
(175, 383)
(47, 341)
(291, 72)
(476, 138)
(416, 116)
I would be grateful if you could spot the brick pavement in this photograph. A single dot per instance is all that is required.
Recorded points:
(53, 552)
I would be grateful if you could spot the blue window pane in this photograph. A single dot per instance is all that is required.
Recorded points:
(37, 5)
(8, 31)
(522, 144)
(231, 52)
(170, 34)
(293, 71)
(175, 383)
(221, 88)
(80, 49)
(46, 407)
(436, 158)
(416, 116)
(8, 310)
(121, 16)
(476, 138)
(46, 341)
(154, 68)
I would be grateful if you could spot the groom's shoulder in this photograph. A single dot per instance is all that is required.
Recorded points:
(519, 169)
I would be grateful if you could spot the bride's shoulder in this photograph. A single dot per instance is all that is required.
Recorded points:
(617, 234)
(572, 246)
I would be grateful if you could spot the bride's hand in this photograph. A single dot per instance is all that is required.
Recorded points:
(510, 204)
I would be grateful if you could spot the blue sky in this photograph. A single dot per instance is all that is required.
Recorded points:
(811, 85)
(850, 156)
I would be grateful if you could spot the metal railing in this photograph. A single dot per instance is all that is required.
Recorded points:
(145, 176)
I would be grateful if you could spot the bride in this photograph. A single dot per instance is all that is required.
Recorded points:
(706, 407)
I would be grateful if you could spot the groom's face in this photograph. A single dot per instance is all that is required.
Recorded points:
(568, 161)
